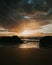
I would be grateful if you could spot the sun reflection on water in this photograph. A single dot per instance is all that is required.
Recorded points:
(29, 45)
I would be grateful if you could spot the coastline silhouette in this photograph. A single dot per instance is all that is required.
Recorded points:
(46, 42)
(10, 40)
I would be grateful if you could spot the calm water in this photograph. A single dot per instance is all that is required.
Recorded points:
(25, 54)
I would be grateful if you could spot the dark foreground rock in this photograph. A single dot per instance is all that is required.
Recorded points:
(10, 40)
(46, 42)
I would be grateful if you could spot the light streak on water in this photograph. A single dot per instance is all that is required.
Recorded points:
(29, 45)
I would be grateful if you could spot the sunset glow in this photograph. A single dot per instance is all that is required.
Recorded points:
(25, 32)
(29, 45)
(28, 32)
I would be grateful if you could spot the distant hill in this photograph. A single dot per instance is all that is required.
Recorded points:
(10, 40)
(46, 42)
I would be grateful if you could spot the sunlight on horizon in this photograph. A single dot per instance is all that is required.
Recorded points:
(29, 32)
(26, 32)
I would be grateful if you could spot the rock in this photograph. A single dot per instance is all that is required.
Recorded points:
(10, 40)
(46, 42)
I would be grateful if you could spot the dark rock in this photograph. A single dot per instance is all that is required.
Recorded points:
(46, 42)
(10, 40)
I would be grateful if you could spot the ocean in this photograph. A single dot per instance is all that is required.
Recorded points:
(25, 54)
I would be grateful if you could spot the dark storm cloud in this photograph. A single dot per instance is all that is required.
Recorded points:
(42, 16)
(49, 3)
(8, 14)
(10, 10)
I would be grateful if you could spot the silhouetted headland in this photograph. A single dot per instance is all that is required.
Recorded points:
(46, 42)
(10, 40)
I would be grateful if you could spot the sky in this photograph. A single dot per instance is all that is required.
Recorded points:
(22, 15)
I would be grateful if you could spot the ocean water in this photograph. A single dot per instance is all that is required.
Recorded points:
(25, 54)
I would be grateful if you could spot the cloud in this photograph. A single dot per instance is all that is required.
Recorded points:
(42, 16)
(46, 28)
(11, 12)
(26, 17)
(5, 31)
(43, 29)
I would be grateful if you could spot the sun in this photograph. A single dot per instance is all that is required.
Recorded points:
(25, 32)
(28, 32)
